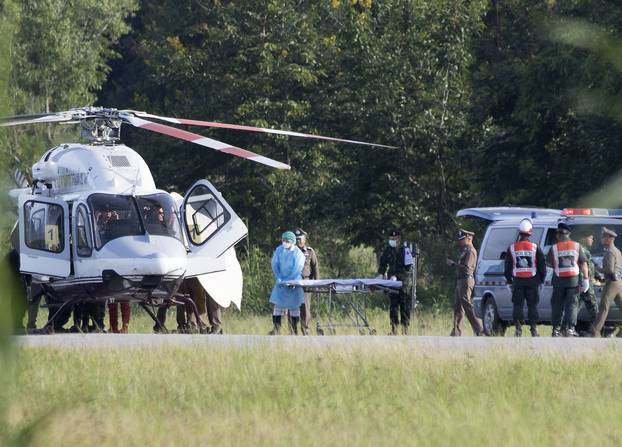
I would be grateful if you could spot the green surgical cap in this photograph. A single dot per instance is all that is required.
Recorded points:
(288, 236)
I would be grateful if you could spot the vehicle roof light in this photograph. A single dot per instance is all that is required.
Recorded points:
(577, 212)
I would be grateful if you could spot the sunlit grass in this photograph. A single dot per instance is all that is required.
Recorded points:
(277, 396)
(236, 322)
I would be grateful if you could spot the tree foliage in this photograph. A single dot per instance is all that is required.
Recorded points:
(60, 55)
(489, 102)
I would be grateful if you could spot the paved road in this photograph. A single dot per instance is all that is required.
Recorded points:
(561, 346)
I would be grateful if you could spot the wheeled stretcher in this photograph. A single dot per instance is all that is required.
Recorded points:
(340, 295)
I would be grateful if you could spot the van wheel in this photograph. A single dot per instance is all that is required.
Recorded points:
(493, 326)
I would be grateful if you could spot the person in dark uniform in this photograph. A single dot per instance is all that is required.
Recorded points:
(589, 298)
(567, 260)
(525, 270)
(15, 290)
(310, 271)
(465, 282)
(392, 266)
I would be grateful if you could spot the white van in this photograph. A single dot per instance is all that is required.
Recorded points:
(491, 297)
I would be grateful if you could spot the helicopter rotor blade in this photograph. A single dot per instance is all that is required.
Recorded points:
(35, 119)
(253, 129)
(201, 140)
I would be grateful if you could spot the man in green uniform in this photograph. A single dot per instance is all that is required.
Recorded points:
(525, 270)
(588, 298)
(567, 260)
(311, 270)
(393, 266)
(465, 282)
(612, 269)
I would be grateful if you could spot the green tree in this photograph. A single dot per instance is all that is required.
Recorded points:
(60, 54)
(540, 148)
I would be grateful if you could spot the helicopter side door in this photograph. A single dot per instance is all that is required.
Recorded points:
(84, 264)
(44, 236)
(211, 227)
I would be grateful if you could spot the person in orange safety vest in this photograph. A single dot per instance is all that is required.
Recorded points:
(525, 270)
(567, 260)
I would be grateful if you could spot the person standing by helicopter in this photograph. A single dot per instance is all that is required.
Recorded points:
(392, 265)
(287, 264)
(104, 223)
(310, 271)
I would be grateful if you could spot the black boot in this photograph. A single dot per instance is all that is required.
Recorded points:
(519, 329)
(534, 331)
(276, 321)
(293, 325)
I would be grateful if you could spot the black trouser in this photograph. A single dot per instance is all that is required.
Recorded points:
(520, 294)
(63, 317)
(95, 311)
(399, 310)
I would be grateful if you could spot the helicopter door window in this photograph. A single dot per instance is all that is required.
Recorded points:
(159, 215)
(44, 226)
(83, 234)
(204, 215)
(115, 216)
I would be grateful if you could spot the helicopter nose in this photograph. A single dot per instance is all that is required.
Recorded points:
(163, 257)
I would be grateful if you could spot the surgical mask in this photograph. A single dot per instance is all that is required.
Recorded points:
(392, 243)
(287, 245)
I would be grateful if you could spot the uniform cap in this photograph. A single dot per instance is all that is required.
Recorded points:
(563, 228)
(525, 226)
(289, 237)
(462, 233)
(299, 232)
(608, 232)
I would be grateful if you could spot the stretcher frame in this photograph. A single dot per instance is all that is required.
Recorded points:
(351, 308)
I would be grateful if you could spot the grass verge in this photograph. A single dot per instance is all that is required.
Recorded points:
(277, 396)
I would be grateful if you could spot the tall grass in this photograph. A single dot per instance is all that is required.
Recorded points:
(278, 396)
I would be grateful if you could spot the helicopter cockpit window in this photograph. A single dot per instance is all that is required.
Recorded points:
(115, 216)
(83, 233)
(44, 226)
(204, 215)
(159, 215)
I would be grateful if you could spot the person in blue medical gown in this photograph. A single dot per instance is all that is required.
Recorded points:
(287, 264)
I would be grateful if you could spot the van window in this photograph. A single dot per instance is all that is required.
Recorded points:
(579, 230)
(536, 235)
(550, 237)
(499, 239)
(596, 230)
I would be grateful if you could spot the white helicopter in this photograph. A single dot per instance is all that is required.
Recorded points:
(94, 227)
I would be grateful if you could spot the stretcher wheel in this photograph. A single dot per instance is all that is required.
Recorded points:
(320, 331)
(373, 332)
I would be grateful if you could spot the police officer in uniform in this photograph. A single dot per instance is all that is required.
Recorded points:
(465, 282)
(612, 269)
(567, 260)
(589, 298)
(525, 270)
(392, 266)
(310, 271)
